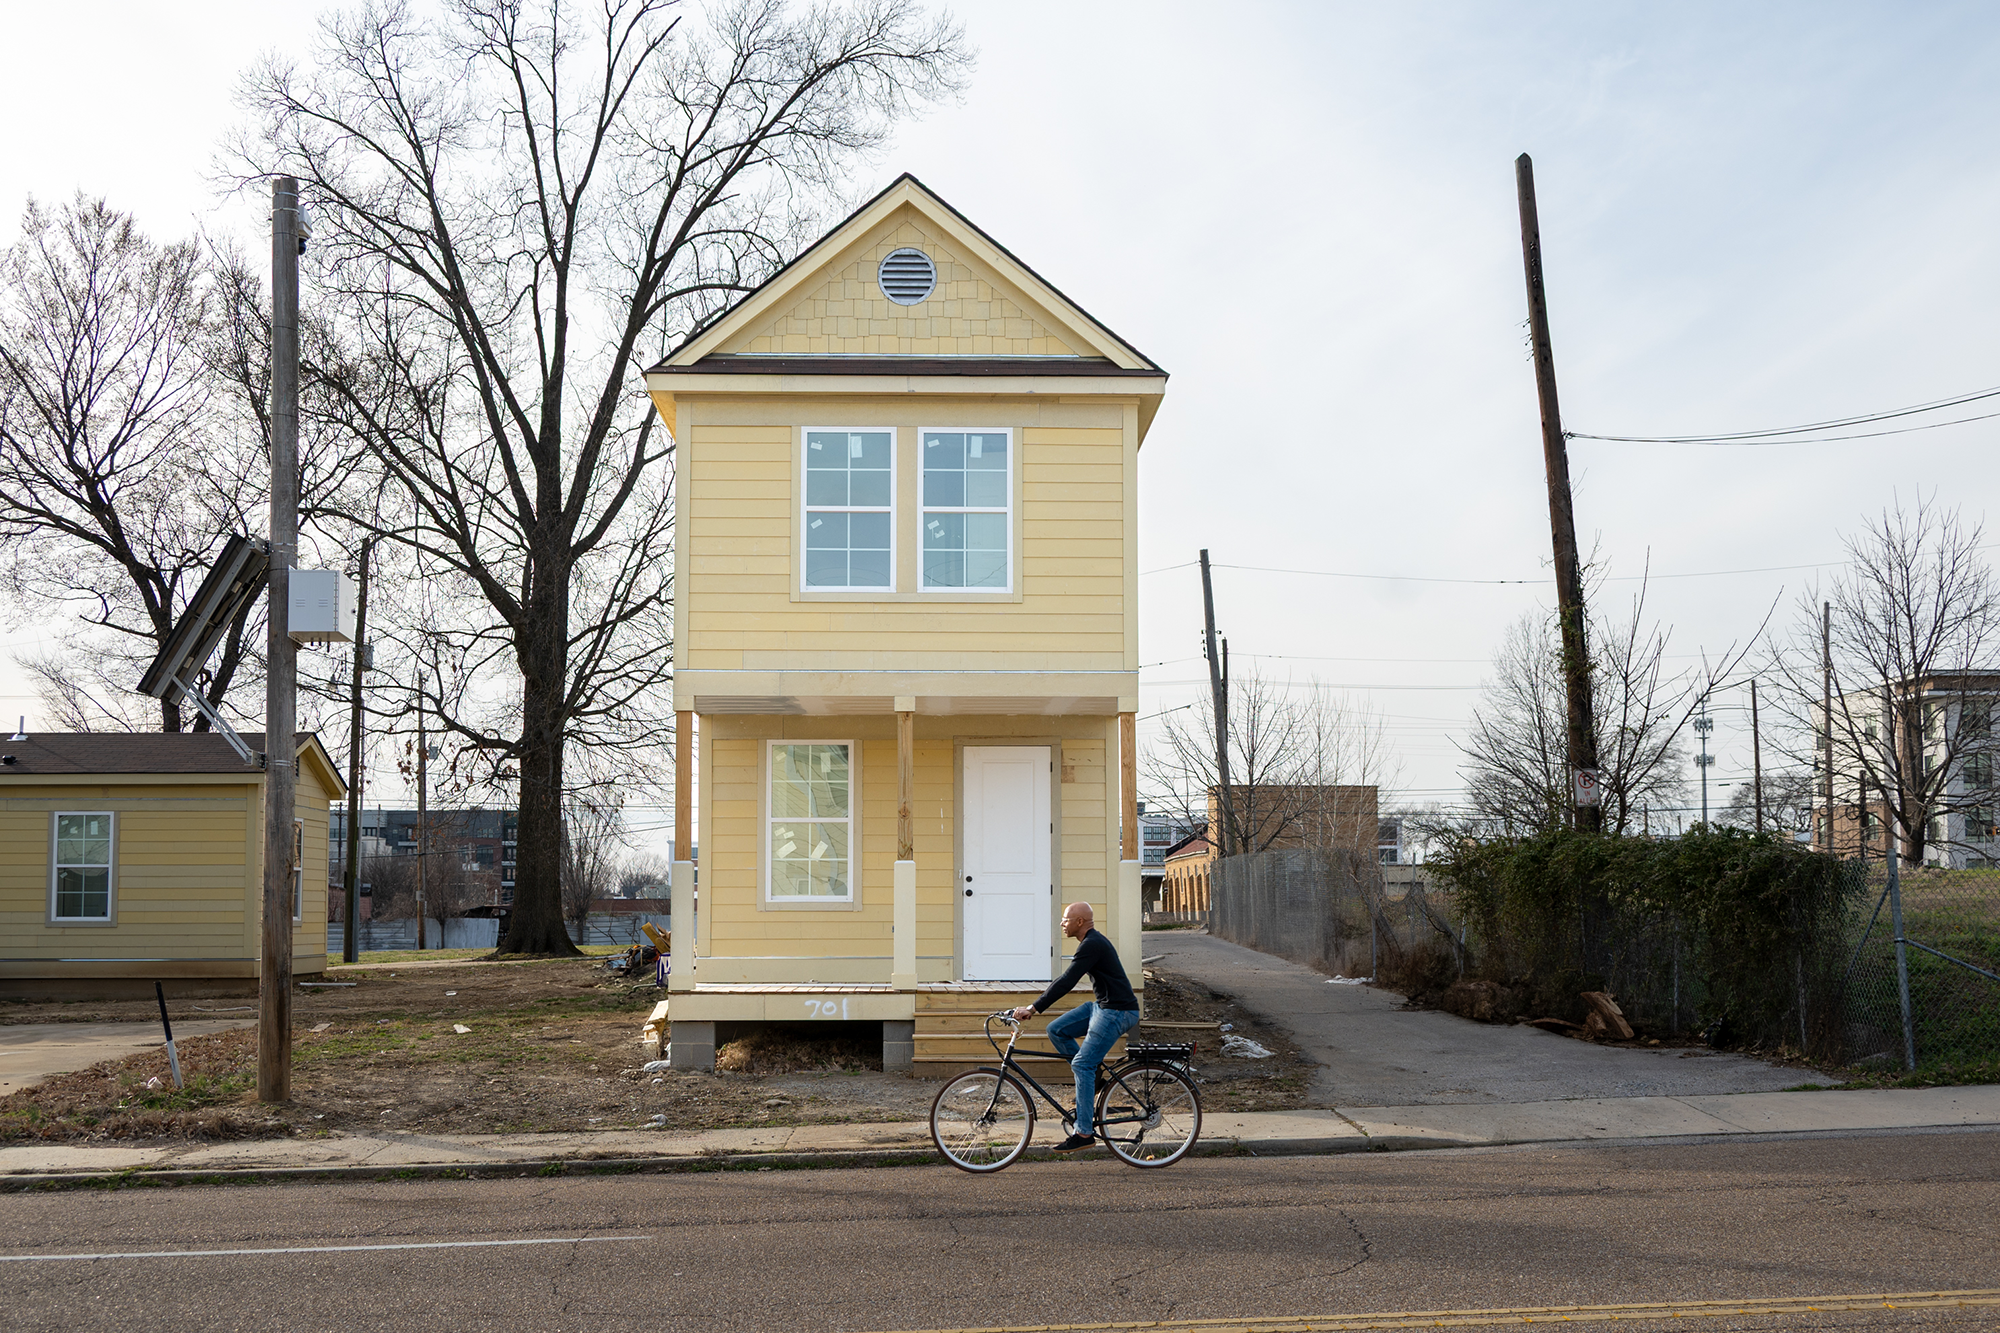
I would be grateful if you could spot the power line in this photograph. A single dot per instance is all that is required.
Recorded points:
(1776, 434)
(1420, 578)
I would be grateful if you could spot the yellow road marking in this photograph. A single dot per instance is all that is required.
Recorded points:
(1537, 1314)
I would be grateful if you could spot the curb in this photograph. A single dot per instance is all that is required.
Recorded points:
(26, 1182)
(136, 1177)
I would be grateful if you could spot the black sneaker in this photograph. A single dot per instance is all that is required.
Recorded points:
(1076, 1143)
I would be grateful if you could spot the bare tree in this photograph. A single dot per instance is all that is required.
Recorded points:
(643, 876)
(1914, 624)
(117, 488)
(1517, 771)
(522, 204)
(591, 835)
(1291, 754)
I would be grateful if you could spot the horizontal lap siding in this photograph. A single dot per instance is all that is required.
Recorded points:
(1081, 855)
(179, 885)
(739, 559)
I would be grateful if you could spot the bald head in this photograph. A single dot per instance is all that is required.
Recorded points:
(1077, 919)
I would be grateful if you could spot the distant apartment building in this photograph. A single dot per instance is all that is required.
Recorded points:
(470, 853)
(1939, 724)
(1156, 834)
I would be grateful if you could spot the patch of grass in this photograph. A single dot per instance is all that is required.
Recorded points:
(1944, 1074)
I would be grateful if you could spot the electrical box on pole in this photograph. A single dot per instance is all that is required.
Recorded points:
(323, 602)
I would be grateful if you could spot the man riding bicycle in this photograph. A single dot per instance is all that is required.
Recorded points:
(1100, 1024)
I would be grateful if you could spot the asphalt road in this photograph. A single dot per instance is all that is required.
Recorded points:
(1373, 1052)
(1075, 1241)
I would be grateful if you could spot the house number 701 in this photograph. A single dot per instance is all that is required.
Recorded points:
(827, 1008)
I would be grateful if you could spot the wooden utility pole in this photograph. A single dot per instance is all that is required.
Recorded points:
(423, 819)
(1218, 690)
(281, 775)
(350, 944)
(1826, 703)
(1562, 518)
(1756, 760)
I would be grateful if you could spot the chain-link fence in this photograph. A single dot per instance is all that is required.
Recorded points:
(1331, 910)
(1950, 958)
(1831, 986)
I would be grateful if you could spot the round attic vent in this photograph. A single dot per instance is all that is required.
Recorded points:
(907, 276)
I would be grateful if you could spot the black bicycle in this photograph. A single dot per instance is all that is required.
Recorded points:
(1148, 1111)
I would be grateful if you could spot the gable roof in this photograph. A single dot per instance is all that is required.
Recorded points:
(1015, 321)
(136, 752)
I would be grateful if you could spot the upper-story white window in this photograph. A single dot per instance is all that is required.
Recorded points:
(850, 518)
(968, 490)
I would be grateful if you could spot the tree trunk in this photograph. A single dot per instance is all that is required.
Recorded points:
(536, 925)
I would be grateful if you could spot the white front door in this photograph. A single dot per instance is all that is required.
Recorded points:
(1007, 889)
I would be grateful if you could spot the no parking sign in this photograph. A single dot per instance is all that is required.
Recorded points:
(1589, 791)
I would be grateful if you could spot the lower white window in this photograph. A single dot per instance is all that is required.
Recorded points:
(80, 879)
(298, 870)
(809, 825)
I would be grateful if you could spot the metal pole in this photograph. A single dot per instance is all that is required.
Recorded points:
(1219, 700)
(1896, 909)
(1756, 761)
(274, 972)
(1826, 689)
(350, 945)
(1562, 515)
(1703, 725)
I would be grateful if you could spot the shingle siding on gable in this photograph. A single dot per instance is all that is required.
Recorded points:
(967, 315)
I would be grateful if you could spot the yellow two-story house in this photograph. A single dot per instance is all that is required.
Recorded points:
(907, 635)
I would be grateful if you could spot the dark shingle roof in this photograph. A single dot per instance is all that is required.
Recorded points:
(127, 752)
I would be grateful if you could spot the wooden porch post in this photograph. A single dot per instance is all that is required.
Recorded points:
(681, 878)
(1128, 780)
(903, 970)
(1130, 907)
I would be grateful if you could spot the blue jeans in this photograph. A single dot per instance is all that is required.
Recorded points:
(1099, 1028)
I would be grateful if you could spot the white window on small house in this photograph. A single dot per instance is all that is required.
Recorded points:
(850, 518)
(810, 824)
(968, 501)
(298, 870)
(80, 877)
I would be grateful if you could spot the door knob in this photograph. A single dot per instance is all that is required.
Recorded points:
(968, 893)
(968, 879)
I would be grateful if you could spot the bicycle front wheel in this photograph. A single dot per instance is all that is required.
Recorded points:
(1149, 1115)
(982, 1120)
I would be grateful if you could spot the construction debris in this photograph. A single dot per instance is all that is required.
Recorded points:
(1606, 1018)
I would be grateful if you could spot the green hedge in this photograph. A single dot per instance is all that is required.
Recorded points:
(1719, 930)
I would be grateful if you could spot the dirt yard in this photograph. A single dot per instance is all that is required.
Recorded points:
(1228, 1083)
(547, 1046)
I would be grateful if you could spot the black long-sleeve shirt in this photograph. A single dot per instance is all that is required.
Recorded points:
(1094, 955)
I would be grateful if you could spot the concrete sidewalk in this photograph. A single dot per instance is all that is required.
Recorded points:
(1280, 1133)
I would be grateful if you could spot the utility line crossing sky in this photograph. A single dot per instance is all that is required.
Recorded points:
(1751, 216)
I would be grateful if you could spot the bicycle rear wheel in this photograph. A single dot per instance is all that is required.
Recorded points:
(1149, 1115)
(982, 1120)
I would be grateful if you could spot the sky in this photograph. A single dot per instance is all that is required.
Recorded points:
(1752, 216)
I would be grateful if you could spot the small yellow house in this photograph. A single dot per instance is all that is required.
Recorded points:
(907, 628)
(127, 858)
